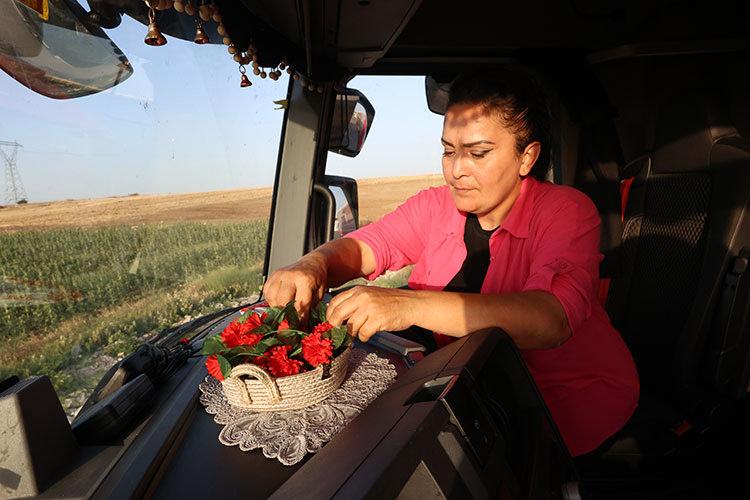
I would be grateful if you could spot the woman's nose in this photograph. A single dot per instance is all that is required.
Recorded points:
(458, 168)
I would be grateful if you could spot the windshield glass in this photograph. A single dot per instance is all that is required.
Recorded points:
(131, 210)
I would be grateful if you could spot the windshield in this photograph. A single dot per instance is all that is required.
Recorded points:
(130, 210)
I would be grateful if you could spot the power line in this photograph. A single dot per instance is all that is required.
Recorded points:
(14, 190)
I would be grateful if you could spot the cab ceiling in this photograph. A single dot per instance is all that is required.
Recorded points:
(411, 36)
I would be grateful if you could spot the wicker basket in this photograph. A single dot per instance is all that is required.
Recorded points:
(251, 387)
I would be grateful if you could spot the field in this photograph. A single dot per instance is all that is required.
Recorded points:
(82, 282)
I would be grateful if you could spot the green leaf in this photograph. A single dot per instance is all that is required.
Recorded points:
(213, 345)
(291, 315)
(226, 366)
(318, 313)
(275, 315)
(296, 351)
(338, 335)
(264, 329)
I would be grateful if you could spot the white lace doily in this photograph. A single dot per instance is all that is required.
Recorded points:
(289, 435)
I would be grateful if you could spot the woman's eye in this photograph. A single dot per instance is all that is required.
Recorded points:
(478, 154)
(447, 153)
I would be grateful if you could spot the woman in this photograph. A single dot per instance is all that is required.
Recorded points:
(530, 248)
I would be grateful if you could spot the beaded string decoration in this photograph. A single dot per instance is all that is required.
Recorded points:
(207, 11)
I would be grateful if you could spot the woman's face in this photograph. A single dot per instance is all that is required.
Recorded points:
(481, 164)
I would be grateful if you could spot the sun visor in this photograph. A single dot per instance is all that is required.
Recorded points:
(61, 57)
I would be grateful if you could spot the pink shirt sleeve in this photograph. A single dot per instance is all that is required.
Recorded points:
(399, 238)
(565, 254)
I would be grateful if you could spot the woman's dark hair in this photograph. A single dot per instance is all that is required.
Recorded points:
(521, 104)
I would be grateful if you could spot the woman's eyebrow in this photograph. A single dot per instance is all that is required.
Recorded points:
(468, 144)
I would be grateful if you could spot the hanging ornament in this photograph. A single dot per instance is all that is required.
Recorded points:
(226, 40)
(190, 8)
(232, 49)
(289, 70)
(216, 16)
(263, 74)
(220, 29)
(162, 4)
(179, 6)
(273, 76)
(154, 36)
(244, 80)
(256, 71)
(200, 36)
(205, 12)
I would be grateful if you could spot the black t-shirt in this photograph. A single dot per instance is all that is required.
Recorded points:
(471, 275)
(468, 279)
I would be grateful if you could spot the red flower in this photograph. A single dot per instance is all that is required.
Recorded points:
(284, 325)
(252, 322)
(212, 365)
(239, 333)
(279, 364)
(322, 327)
(317, 350)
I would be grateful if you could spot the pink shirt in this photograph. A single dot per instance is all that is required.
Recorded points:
(549, 241)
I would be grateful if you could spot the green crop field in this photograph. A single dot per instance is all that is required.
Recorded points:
(67, 293)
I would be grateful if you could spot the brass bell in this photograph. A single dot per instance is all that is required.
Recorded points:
(245, 81)
(154, 36)
(200, 36)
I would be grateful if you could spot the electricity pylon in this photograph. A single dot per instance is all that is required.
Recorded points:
(14, 191)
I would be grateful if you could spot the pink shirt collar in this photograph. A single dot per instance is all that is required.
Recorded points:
(518, 219)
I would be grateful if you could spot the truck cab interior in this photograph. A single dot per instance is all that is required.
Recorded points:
(651, 106)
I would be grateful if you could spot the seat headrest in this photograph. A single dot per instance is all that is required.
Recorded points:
(687, 126)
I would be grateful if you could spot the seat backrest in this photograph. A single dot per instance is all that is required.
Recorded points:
(688, 198)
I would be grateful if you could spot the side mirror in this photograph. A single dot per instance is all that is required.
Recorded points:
(56, 51)
(335, 210)
(346, 197)
(352, 118)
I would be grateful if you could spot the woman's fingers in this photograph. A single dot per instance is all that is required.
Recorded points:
(355, 322)
(303, 301)
(286, 292)
(333, 315)
(367, 330)
(349, 303)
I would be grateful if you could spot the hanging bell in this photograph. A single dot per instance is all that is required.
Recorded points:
(245, 81)
(200, 36)
(154, 36)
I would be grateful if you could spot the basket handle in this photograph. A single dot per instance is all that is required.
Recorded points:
(257, 372)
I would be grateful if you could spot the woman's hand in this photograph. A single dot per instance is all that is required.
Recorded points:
(370, 309)
(304, 281)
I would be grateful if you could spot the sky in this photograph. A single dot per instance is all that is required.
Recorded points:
(181, 123)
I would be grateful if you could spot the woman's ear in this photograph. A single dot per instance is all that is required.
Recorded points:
(528, 158)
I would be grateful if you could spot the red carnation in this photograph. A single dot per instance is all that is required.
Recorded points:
(237, 334)
(322, 327)
(284, 325)
(212, 365)
(278, 362)
(252, 322)
(317, 350)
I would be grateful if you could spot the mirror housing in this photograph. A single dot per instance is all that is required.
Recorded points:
(346, 196)
(352, 119)
(61, 56)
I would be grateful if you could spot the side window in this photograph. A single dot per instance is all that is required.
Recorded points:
(402, 153)
(131, 210)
